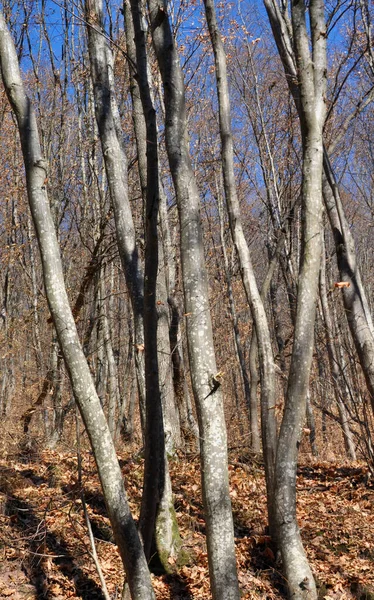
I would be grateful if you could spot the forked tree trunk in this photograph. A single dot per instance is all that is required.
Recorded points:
(170, 411)
(206, 388)
(312, 86)
(85, 394)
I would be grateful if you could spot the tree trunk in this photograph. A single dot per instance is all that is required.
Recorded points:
(56, 388)
(354, 297)
(172, 426)
(235, 326)
(107, 117)
(338, 383)
(170, 413)
(267, 370)
(125, 423)
(84, 391)
(112, 376)
(312, 84)
(157, 516)
(189, 428)
(311, 422)
(206, 385)
(253, 405)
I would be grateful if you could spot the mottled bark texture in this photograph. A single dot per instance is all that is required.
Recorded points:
(311, 86)
(265, 353)
(111, 138)
(157, 516)
(174, 403)
(170, 412)
(189, 427)
(154, 471)
(354, 297)
(207, 392)
(84, 391)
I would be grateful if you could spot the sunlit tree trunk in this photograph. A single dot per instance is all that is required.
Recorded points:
(354, 297)
(111, 380)
(84, 391)
(311, 69)
(157, 516)
(57, 387)
(338, 383)
(311, 423)
(266, 361)
(170, 412)
(206, 385)
(235, 324)
(111, 137)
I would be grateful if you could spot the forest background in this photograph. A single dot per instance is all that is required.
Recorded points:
(198, 303)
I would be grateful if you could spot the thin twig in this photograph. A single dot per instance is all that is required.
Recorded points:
(93, 552)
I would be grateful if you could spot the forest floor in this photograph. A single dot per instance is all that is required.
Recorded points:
(45, 552)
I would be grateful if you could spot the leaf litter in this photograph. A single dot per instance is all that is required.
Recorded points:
(45, 550)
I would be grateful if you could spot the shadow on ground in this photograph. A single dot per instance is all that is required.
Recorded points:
(30, 532)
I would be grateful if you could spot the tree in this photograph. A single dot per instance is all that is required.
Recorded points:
(157, 518)
(171, 420)
(310, 83)
(268, 422)
(354, 297)
(114, 153)
(204, 372)
(84, 391)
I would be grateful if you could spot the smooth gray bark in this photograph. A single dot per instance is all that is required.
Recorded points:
(154, 469)
(172, 426)
(253, 354)
(157, 516)
(311, 85)
(206, 388)
(311, 423)
(189, 427)
(112, 390)
(253, 405)
(254, 442)
(59, 411)
(111, 138)
(84, 390)
(188, 424)
(265, 353)
(170, 412)
(354, 298)
(101, 363)
(166, 279)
